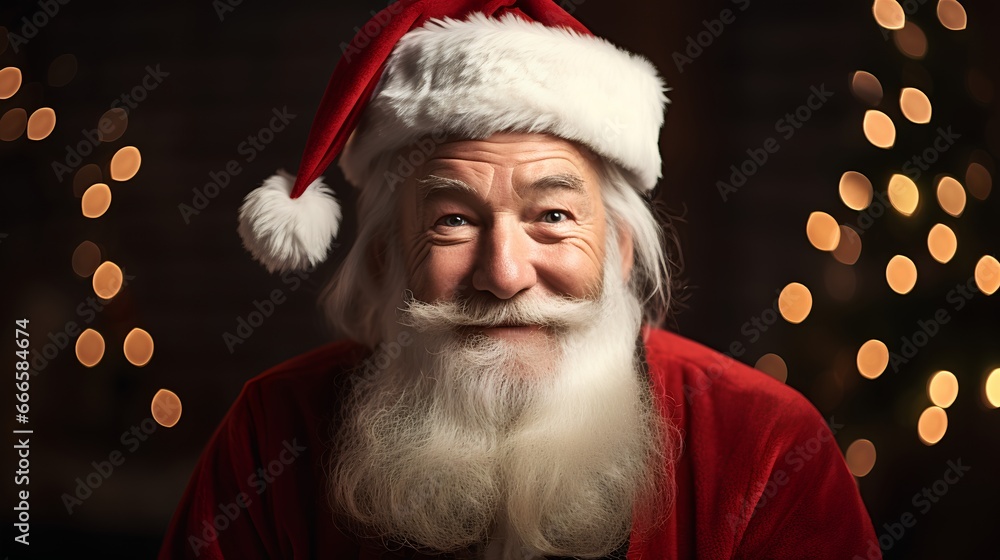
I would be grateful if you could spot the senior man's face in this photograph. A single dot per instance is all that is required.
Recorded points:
(512, 215)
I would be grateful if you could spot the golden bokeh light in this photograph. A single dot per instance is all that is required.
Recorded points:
(879, 129)
(107, 280)
(942, 243)
(823, 231)
(932, 425)
(915, 105)
(978, 180)
(991, 389)
(942, 388)
(138, 347)
(773, 365)
(911, 41)
(62, 70)
(96, 200)
(125, 163)
(86, 259)
(795, 303)
(901, 274)
(866, 87)
(848, 251)
(166, 408)
(952, 15)
(86, 176)
(988, 275)
(889, 14)
(12, 124)
(10, 82)
(855, 190)
(41, 123)
(903, 194)
(89, 347)
(951, 196)
(873, 357)
(860, 457)
(112, 125)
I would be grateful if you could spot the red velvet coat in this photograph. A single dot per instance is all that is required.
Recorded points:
(761, 475)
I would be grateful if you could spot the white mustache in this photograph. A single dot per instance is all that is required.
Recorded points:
(556, 313)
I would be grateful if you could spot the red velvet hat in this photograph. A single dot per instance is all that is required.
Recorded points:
(462, 68)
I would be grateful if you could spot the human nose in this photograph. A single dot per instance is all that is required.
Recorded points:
(503, 265)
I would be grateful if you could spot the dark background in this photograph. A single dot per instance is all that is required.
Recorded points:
(191, 281)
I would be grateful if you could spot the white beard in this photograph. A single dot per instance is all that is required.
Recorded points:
(517, 449)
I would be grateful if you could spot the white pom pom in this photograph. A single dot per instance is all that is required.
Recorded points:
(285, 233)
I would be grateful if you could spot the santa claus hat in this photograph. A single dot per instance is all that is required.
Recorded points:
(457, 68)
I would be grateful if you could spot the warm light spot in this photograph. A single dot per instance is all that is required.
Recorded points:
(903, 194)
(41, 123)
(942, 243)
(855, 190)
(860, 457)
(988, 275)
(86, 176)
(112, 125)
(62, 70)
(823, 231)
(889, 14)
(848, 251)
(866, 87)
(952, 15)
(166, 408)
(879, 129)
(951, 196)
(932, 425)
(773, 365)
(90, 347)
(915, 105)
(795, 302)
(873, 357)
(138, 347)
(978, 180)
(901, 274)
(942, 388)
(911, 41)
(86, 258)
(107, 280)
(12, 124)
(125, 163)
(991, 389)
(96, 200)
(10, 82)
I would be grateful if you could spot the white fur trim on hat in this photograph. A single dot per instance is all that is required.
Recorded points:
(483, 75)
(285, 233)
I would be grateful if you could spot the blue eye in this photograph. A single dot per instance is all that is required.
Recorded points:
(555, 215)
(453, 221)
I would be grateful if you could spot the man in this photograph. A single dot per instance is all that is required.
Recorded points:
(504, 391)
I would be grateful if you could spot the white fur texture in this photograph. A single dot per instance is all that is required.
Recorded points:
(483, 75)
(283, 233)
